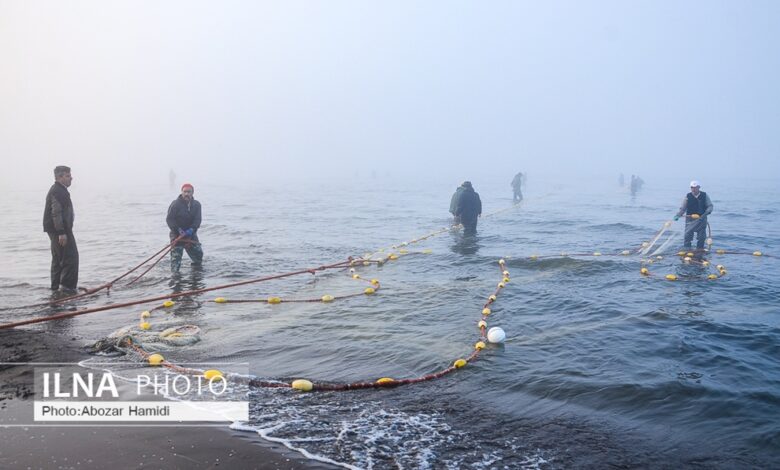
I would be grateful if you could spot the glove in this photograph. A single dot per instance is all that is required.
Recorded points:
(676, 218)
(181, 232)
(188, 232)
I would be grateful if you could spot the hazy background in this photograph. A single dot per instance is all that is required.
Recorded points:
(296, 91)
(271, 108)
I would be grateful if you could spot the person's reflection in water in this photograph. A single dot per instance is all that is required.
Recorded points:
(693, 302)
(184, 282)
(696, 286)
(465, 243)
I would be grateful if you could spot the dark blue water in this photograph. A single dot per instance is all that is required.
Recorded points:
(602, 366)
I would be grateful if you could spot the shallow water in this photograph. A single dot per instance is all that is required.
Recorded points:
(601, 365)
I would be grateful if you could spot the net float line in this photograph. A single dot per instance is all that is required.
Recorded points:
(439, 232)
(375, 286)
(61, 315)
(304, 385)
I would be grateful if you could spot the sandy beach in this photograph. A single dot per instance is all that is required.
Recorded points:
(172, 446)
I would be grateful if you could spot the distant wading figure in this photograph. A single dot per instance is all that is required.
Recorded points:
(469, 208)
(517, 184)
(184, 217)
(636, 184)
(697, 206)
(58, 217)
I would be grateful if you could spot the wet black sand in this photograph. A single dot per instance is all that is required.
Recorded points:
(103, 446)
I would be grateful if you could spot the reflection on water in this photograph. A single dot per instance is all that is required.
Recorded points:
(187, 278)
(595, 353)
(464, 243)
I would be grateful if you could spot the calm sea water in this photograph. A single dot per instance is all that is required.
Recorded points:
(601, 365)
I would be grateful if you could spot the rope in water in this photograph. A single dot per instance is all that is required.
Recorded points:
(59, 316)
(365, 260)
(108, 285)
(304, 385)
(375, 286)
(162, 255)
(690, 256)
(438, 232)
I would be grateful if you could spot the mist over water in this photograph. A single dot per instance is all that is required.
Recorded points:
(601, 365)
(253, 92)
(317, 131)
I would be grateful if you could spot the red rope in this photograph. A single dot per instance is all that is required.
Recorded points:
(376, 286)
(95, 290)
(62, 315)
(166, 249)
(335, 387)
(165, 252)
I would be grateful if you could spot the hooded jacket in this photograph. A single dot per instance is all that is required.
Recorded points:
(469, 206)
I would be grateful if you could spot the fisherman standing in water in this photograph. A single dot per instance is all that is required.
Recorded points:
(636, 184)
(517, 184)
(697, 206)
(58, 218)
(469, 208)
(184, 217)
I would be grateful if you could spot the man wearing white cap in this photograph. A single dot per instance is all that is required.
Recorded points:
(696, 206)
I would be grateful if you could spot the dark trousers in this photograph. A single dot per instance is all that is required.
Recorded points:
(64, 262)
(469, 227)
(469, 222)
(699, 227)
(194, 251)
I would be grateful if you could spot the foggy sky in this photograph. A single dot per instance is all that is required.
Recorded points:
(300, 90)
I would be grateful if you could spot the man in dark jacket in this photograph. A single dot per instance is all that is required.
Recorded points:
(58, 217)
(184, 219)
(697, 206)
(469, 208)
